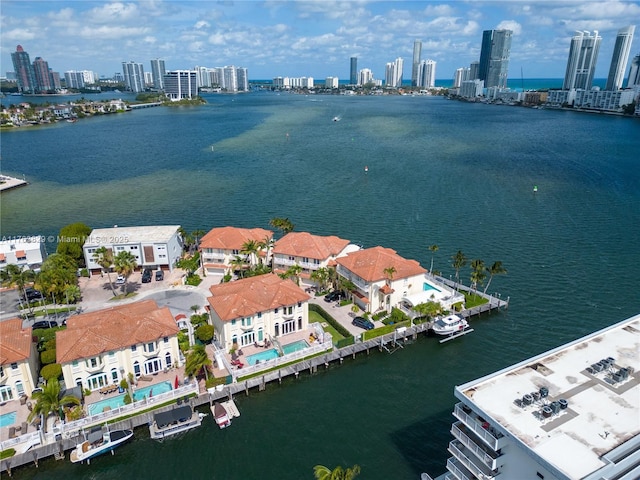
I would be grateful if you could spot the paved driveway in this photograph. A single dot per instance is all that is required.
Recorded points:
(343, 315)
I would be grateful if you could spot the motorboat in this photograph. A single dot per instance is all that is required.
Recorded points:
(99, 442)
(449, 325)
(177, 420)
(220, 414)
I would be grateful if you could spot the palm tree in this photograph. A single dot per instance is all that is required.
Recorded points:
(294, 271)
(125, 263)
(283, 224)
(324, 473)
(321, 277)
(250, 248)
(238, 263)
(48, 401)
(15, 275)
(459, 261)
(477, 274)
(495, 269)
(429, 309)
(197, 360)
(104, 257)
(266, 246)
(389, 272)
(197, 234)
(434, 249)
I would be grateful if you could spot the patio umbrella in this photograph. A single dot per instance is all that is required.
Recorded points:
(176, 383)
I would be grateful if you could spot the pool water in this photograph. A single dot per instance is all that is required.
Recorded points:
(427, 286)
(139, 394)
(7, 419)
(273, 353)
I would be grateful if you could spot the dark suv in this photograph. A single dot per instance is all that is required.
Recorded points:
(333, 296)
(146, 276)
(363, 323)
(31, 294)
(159, 275)
(44, 324)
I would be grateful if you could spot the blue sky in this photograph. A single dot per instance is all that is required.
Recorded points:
(305, 38)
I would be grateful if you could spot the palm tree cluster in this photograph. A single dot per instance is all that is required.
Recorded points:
(324, 473)
(49, 402)
(282, 224)
(479, 270)
(124, 263)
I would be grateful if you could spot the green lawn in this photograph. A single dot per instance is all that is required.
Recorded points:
(315, 317)
(472, 300)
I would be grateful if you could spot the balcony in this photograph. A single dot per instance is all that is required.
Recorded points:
(285, 262)
(468, 439)
(494, 439)
(94, 369)
(458, 470)
(466, 458)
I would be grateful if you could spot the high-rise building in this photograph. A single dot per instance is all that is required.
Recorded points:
(353, 71)
(180, 84)
(242, 76)
(634, 72)
(133, 76)
(158, 71)
(572, 412)
(25, 75)
(417, 52)
(462, 75)
(365, 76)
(230, 78)
(44, 80)
(620, 57)
(426, 74)
(474, 69)
(583, 55)
(494, 58)
(393, 73)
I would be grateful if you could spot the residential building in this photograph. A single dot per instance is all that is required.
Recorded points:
(229, 78)
(158, 72)
(101, 348)
(44, 79)
(221, 246)
(393, 73)
(180, 85)
(581, 65)
(255, 309)
(570, 413)
(26, 252)
(462, 75)
(242, 79)
(365, 76)
(382, 277)
(148, 79)
(426, 74)
(472, 88)
(494, 58)
(621, 52)
(133, 76)
(417, 52)
(18, 360)
(310, 252)
(154, 246)
(353, 71)
(607, 100)
(25, 74)
(80, 78)
(474, 70)
(331, 82)
(634, 72)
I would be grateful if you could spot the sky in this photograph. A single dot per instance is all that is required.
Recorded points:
(310, 38)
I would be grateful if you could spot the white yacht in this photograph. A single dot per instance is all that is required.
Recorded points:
(450, 325)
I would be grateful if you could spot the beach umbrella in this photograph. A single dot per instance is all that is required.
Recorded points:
(176, 383)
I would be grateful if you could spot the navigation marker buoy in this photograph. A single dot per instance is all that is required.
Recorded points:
(535, 188)
(366, 169)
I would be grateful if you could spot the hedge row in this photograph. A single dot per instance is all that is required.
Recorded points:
(330, 320)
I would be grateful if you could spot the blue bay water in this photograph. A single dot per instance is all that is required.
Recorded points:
(439, 172)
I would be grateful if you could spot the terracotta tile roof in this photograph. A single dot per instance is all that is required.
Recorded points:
(386, 289)
(304, 244)
(370, 263)
(93, 333)
(15, 344)
(20, 254)
(2, 257)
(249, 296)
(232, 238)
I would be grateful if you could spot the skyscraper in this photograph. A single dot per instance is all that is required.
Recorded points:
(417, 52)
(634, 72)
(426, 74)
(180, 84)
(158, 71)
(44, 80)
(353, 72)
(620, 57)
(393, 73)
(494, 58)
(133, 76)
(583, 55)
(25, 74)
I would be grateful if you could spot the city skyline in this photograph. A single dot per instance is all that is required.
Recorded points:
(308, 38)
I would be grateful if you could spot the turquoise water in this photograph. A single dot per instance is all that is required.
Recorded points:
(139, 394)
(273, 353)
(294, 347)
(7, 419)
(427, 286)
(441, 172)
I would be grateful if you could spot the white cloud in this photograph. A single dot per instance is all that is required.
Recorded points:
(115, 12)
(18, 35)
(108, 32)
(512, 25)
(201, 24)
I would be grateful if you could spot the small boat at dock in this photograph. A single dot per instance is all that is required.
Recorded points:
(177, 420)
(99, 442)
(223, 412)
(449, 325)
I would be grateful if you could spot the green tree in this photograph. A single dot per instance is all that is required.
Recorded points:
(57, 273)
(294, 271)
(71, 239)
(389, 272)
(459, 261)
(189, 263)
(266, 246)
(282, 224)
(204, 332)
(104, 257)
(495, 269)
(324, 473)
(321, 277)
(429, 309)
(250, 248)
(197, 360)
(14, 275)
(48, 401)
(124, 264)
(433, 248)
(238, 263)
(197, 235)
(477, 274)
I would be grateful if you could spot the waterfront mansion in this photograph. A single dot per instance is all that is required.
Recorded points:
(257, 309)
(221, 245)
(18, 361)
(101, 348)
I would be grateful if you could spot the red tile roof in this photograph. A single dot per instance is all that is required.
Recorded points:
(20, 254)
(15, 342)
(93, 333)
(304, 244)
(370, 263)
(249, 296)
(232, 238)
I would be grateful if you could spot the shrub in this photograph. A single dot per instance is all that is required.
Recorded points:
(47, 357)
(215, 381)
(198, 319)
(9, 452)
(124, 384)
(127, 399)
(193, 280)
(204, 332)
(330, 320)
(52, 371)
(183, 341)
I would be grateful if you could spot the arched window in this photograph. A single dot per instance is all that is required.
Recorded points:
(136, 368)
(167, 360)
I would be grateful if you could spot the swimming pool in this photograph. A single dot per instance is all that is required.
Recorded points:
(139, 394)
(7, 419)
(273, 353)
(427, 286)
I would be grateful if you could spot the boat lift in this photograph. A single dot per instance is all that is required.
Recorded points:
(456, 335)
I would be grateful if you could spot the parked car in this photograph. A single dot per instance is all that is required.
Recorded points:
(333, 296)
(120, 280)
(159, 275)
(363, 323)
(146, 276)
(31, 294)
(45, 324)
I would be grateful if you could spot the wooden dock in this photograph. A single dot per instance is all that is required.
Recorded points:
(8, 183)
